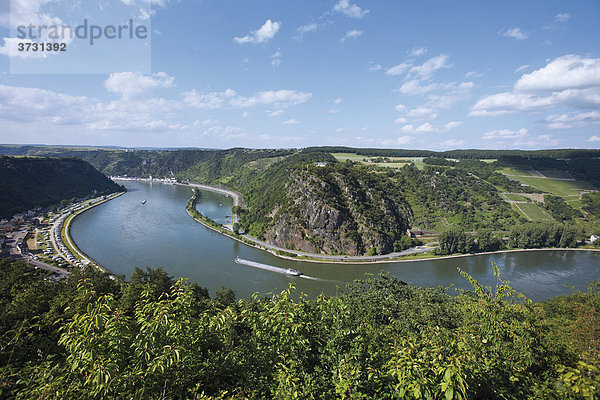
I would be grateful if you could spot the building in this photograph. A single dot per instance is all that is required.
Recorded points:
(593, 238)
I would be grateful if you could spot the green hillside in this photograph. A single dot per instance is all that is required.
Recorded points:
(92, 337)
(28, 182)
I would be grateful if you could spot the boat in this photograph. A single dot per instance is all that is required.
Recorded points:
(144, 202)
(292, 272)
(286, 271)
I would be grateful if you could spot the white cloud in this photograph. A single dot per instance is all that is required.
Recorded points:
(309, 28)
(338, 101)
(245, 114)
(17, 103)
(573, 120)
(452, 125)
(428, 128)
(522, 68)
(279, 98)
(566, 72)
(417, 51)
(134, 84)
(594, 139)
(516, 33)
(208, 101)
(415, 88)
(422, 113)
(339, 130)
(353, 34)
(562, 17)
(276, 59)
(262, 34)
(349, 10)
(567, 81)
(398, 69)
(474, 74)
(400, 120)
(430, 66)
(504, 134)
(425, 128)
(290, 122)
(400, 107)
(509, 103)
(452, 93)
(376, 67)
(276, 113)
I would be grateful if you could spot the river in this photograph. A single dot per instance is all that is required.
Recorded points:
(124, 233)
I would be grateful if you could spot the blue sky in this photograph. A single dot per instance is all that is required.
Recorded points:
(393, 74)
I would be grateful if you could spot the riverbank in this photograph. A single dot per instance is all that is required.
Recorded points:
(65, 233)
(409, 255)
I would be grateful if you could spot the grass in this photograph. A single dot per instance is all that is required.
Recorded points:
(513, 171)
(557, 174)
(575, 203)
(549, 185)
(513, 197)
(397, 162)
(556, 187)
(348, 156)
(534, 212)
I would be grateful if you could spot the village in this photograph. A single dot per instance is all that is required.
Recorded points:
(39, 237)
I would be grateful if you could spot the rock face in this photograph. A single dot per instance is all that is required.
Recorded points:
(339, 211)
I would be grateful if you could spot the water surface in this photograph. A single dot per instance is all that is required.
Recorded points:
(124, 233)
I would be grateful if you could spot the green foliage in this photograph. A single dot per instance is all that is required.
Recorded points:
(591, 203)
(379, 338)
(535, 235)
(559, 209)
(29, 182)
(455, 240)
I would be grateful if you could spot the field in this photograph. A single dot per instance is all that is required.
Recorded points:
(396, 162)
(532, 211)
(553, 182)
(513, 197)
(556, 187)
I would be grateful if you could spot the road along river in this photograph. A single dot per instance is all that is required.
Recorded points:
(149, 226)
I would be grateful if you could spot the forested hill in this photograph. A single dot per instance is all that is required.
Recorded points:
(92, 337)
(339, 200)
(28, 182)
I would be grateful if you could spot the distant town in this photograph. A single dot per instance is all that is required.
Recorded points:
(40, 237)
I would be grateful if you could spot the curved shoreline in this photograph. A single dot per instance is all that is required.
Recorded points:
(358, 261)
(238, 197)
(71, 242)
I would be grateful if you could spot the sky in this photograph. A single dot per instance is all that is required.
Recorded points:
(432, 75)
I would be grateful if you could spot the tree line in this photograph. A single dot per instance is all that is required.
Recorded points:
(93, 337)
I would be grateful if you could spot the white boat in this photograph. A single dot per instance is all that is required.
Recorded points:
(144, 202)
(286, 271)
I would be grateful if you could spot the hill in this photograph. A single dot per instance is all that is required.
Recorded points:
(93, 337)
(28, 182)
(363, 200)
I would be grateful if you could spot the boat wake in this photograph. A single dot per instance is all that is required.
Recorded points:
(312, 278)
(286, 271)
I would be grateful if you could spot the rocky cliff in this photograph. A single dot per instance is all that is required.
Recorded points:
(339, 210)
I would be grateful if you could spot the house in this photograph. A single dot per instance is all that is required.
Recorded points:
(414, 232)
(321, 164)
(593, 238)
